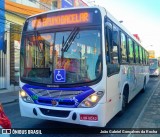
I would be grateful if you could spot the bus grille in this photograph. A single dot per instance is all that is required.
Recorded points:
(55, 113)
(55, 93)
(69, 103)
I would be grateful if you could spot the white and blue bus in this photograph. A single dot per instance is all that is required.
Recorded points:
(154, 67)
(79, 65)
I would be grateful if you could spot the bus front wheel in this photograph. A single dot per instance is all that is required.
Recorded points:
(144, 86)
(124, 101)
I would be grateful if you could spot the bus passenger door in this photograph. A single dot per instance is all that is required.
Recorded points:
(113, 67)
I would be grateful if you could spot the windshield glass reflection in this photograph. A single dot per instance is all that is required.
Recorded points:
(44, 53)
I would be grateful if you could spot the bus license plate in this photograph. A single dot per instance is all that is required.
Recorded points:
(88, 117)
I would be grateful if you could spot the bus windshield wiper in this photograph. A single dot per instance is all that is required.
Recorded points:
(70, 39)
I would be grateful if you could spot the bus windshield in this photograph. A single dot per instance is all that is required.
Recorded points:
(153, 64)
(78, 52)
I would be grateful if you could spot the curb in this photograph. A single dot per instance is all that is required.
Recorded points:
(5, 103)
(142, 112)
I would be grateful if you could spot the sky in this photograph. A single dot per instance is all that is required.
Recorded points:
(140, 17)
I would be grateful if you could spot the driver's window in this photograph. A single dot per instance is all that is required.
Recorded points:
(112, 48)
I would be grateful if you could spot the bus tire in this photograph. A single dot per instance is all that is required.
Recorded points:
(124, 100)
(144, 86)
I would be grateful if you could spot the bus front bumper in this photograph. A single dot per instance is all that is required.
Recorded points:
(68, 115)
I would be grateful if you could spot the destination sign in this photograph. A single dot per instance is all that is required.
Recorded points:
(65, 19)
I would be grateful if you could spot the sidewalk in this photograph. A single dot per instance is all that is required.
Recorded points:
(8, 97)
(150, 116)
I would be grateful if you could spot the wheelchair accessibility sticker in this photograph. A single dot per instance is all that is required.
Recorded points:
(59, 75)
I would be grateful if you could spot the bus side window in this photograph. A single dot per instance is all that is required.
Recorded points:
(108, 40)
(137, 53)
(144, 58)
(123, 48)
(140, 54)
(147, 58)
(115, 44)
(131, 51)
(112, 48)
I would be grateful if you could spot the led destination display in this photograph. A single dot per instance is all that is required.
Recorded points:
(83, 17)
(79, 17)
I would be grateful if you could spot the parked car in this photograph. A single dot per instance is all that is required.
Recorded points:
(4, 121)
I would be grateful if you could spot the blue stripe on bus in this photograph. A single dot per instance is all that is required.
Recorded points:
(73, 101)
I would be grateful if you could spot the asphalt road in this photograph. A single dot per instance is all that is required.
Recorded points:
(127, 120)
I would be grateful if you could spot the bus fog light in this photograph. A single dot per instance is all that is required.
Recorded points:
(25, 97)
(91, 100)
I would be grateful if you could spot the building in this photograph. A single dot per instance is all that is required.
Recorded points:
(151, 54)
(16, 12)
(14, 16)
(31, 3)
(57, 4)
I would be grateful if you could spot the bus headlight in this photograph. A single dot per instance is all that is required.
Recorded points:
(91, 100)
(25, 97)
(157, 71)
